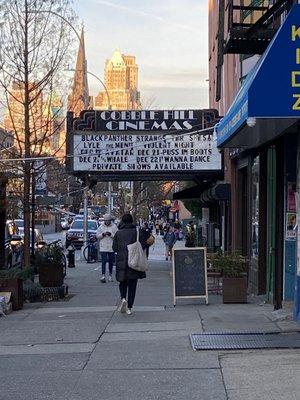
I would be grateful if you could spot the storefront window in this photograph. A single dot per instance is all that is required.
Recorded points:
(255, 206)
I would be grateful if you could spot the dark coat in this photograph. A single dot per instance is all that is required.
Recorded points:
(126, 235)
(170, 239)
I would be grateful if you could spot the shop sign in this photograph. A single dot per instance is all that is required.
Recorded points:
(276, 86)
(144, 120)
(145, 152)
(272, 88)
(142, 141)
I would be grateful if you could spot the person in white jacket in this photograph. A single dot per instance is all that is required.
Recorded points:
(105, 234)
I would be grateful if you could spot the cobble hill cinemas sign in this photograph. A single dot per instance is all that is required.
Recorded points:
(142, 141)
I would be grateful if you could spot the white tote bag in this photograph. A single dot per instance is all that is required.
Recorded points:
(137, 258)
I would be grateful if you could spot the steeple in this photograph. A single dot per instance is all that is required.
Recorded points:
(79, 99)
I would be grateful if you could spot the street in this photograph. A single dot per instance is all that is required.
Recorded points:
(83, 349)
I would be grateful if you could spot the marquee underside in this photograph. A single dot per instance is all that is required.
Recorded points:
(151, 176)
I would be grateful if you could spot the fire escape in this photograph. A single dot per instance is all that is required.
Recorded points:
(246, 27)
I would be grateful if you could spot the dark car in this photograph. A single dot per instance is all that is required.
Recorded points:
(13, 246)
(74, 235)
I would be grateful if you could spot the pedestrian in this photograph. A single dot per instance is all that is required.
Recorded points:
(147, 233)
(106, 233)
(190, 235)
(127, 277)
(169, 239)
(157, 228)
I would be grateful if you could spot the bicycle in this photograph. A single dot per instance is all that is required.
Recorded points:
(90, 252)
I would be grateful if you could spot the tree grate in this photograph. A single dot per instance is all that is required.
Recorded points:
(244, 341)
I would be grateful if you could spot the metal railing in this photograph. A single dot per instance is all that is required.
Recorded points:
(245, 15)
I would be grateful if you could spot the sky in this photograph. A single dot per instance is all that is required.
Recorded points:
(168, 37)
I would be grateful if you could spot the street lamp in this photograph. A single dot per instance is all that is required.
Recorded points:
(102, 83)
(105, 88)
(57, 15)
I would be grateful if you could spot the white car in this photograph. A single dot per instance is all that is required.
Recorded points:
(64, 223)
(20, 225)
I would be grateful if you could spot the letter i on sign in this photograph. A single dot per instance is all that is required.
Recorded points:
(297, 56)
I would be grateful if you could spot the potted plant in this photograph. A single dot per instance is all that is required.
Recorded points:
(11, 280)
(232, 266)
(50, 263)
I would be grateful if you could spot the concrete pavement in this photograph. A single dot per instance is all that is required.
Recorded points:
(83, 349)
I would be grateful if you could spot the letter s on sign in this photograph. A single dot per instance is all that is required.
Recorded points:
(296, 105)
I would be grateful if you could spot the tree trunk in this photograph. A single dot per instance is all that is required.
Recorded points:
(3, 182)
(27, 164)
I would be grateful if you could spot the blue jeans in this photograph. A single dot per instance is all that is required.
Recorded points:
(107, 257)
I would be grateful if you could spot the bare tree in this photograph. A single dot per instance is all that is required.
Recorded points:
(142, 195)
(35, 40)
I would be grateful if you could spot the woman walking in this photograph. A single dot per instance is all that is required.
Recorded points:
(127, 277)
(169, 239)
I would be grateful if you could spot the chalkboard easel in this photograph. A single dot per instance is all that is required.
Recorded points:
(189, 273)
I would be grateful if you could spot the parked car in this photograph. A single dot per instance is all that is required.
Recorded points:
(64, 223)
(74, 235)
(38, 236)
(20, 225)
(14, 248)
(96, 210)
(78, 217)
(91, 214)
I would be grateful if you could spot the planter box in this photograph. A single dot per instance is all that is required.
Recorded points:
(51, 275)
(15, 286)
(235, 290)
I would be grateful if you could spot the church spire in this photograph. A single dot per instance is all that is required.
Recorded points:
(79, 99)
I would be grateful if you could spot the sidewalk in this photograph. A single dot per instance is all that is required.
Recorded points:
(83, 349)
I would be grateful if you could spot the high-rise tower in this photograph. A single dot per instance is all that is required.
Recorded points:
(121, 81)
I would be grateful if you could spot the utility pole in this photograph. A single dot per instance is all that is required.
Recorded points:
(85, 217)
(109, 202)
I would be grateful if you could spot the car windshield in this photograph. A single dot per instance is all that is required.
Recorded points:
(19, 223)
(92, 225)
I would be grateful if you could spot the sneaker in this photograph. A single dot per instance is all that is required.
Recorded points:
(123, 306)
(103, 280)
(129, 312)
(110, 279)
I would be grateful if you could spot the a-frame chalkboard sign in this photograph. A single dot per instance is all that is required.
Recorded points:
(190, 273)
